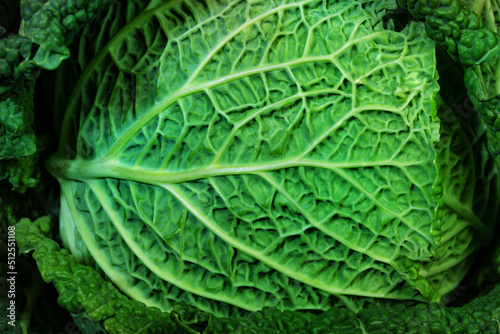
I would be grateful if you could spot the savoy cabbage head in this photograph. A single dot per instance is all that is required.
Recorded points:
(216, 158)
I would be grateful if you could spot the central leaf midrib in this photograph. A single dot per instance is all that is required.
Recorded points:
(81, 170)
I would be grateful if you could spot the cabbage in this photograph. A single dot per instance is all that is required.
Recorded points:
(229, 166)
(236, 155)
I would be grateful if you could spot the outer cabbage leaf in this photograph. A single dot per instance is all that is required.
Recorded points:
(77, 285)
(470, 36)
(15, 70)
(83, 292)
(18, 145)
(471, 192)
(51, 25)
(488, 12)
(253, 154)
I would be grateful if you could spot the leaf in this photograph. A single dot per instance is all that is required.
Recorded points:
(118, 314)
(18, 145)
(244, 154)
(83, 292)
(470, 36)
(17, 155)
(470, 195)
(52, 25)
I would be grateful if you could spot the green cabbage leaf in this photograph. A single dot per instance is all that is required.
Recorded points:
(98, 307)
(235, 155)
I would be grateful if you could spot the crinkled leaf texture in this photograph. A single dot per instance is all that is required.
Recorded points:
(51, 25)
(96, 305)
(241, 154)
(18, 145)
(470, 198)
(468, 31)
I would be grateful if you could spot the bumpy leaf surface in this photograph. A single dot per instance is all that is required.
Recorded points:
(53, 24)
(252, 153)
(471, 192)
(91, 298)
(468, 31)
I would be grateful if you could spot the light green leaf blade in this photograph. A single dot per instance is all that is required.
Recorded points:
(254, 154)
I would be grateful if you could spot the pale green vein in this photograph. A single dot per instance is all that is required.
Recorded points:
(287, 101)
(212, 226)
(382, 206)
(342, 121)
(322, 20)
(235, 32)
(84, 76)
(185, 91)
(465, 212)
(119, 278)
(199, 25)
(320, 227)
(167, 246)
(152, 265)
